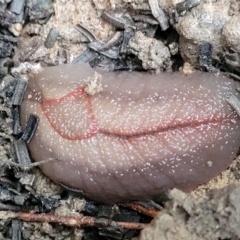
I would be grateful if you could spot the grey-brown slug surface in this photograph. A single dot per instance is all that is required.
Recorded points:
(142, 134)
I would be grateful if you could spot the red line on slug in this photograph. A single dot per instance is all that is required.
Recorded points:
(93, 128)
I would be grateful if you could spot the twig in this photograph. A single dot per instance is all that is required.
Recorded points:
(147, 211)
(84, 221)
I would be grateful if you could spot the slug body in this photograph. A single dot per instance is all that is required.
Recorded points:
(142, 134)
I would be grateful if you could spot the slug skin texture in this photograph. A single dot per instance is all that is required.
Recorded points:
(141, 135)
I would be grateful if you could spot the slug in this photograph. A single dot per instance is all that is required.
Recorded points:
(134, 134)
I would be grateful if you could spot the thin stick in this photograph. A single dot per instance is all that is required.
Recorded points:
(84, 221)
(144, 210)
